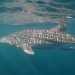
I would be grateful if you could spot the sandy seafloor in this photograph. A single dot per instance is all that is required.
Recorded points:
(16, 15)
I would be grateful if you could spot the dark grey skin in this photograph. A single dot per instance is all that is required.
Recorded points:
(25, 39)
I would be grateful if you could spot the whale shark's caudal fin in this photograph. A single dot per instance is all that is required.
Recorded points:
(27, 48)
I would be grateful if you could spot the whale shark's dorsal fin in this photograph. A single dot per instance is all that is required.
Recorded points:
(60, 28)
(27, 48)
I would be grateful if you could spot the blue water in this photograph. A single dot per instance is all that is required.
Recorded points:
(13, 60)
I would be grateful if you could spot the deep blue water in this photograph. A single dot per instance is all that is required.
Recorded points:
(15, 15)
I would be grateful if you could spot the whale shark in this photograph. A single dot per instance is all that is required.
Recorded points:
(54, 37)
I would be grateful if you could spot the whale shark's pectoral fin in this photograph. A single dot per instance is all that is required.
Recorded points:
(27, 48)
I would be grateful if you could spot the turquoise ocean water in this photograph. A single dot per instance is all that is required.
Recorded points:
(16, 15)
